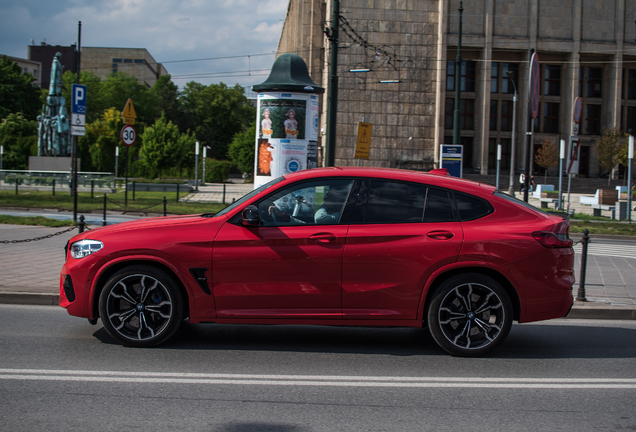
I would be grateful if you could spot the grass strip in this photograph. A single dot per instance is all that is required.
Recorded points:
(34, 220)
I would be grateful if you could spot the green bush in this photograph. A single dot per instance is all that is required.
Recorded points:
(217, 171)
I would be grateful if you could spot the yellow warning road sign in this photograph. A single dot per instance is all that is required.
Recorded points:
(363, 144)
(128, 114)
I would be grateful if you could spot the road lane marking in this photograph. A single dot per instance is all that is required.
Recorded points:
(316, 380)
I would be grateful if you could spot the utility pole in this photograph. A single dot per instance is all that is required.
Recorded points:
(458, 67)
(513, 150)
(332, 95)
(75, 139)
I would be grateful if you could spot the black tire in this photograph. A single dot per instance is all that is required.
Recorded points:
(470, 315)
(141, 306)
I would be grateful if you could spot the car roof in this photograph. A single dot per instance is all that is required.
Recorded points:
(435, 178)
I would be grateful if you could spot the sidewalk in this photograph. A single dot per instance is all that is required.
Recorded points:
(30, 275)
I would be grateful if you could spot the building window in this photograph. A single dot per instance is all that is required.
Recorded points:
(116, 60)
(552, 80)
(467, 77)
(631, 84)
(467, 115)
(494, 78)
(141, 61)
(506, 83)
(504, 163)
(630, 126)
(493, 115)
(594, 77)
(593, 119)
(450, 107)
(551, 117)
(506, 115)
(127, 60)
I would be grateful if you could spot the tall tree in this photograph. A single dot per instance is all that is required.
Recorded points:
(167, 94)
(242, 148)
(608, 149)
(215, 113)
(17, 92)
(18, 136)
(160, 149)
(97, 147)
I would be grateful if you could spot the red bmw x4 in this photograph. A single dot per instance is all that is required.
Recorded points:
(332, 246)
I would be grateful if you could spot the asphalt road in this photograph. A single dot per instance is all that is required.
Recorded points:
(59, 373)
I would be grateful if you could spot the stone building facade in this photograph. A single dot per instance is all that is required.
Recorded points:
(586, 49)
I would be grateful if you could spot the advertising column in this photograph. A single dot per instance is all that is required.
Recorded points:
(287, 134)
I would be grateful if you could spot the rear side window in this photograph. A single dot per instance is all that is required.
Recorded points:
(438, 206)
(471, 208)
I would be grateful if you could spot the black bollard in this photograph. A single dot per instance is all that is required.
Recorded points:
(81, 224)
(177, 192)
(53, 187)
(580, 296)
(164, 206)
(223, 193)
(104, 218)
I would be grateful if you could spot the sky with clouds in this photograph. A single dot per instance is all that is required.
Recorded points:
(173, 32)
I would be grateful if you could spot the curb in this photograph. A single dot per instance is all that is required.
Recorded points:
(587, 310)
(34, 299)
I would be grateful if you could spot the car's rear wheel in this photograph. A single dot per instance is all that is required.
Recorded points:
(141, 306)
(470, 315)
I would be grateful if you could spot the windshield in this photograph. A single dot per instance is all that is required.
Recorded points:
(246, 197)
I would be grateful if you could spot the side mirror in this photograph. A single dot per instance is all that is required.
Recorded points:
(250, 216)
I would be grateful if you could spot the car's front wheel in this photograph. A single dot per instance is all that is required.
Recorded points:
(470, 315)
(141, 306)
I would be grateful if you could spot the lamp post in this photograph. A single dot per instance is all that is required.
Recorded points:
(511, 187)
(458, 65)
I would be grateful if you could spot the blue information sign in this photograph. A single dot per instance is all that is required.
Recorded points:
(78, 105)
(451, 158)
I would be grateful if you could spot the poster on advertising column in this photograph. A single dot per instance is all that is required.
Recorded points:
(286, 136)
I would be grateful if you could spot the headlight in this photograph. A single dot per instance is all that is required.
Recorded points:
(84, 248)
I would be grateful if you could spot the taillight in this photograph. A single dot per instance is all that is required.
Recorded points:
(551, 240)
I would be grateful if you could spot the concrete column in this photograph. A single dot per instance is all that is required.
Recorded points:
(571, 90)
(482, 103)
(613, 116)
(440, 90)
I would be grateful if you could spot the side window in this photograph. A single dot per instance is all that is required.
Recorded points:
(438, 207)
(390, 202)
(471, 208)
(319, 202)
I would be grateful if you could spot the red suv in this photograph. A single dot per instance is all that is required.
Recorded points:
(332, 246)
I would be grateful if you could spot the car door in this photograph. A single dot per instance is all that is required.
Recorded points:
(399, 235)
(290, 265)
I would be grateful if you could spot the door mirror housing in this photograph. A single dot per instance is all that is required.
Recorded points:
(250, 216)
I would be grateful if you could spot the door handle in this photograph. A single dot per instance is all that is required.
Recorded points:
(323, 237)
(441, 235)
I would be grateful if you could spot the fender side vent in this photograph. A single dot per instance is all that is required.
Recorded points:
(202, 280)
(69, 291)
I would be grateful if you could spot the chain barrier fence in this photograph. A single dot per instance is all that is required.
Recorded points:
(38, 238)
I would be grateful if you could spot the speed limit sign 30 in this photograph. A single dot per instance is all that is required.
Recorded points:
(128, 135)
